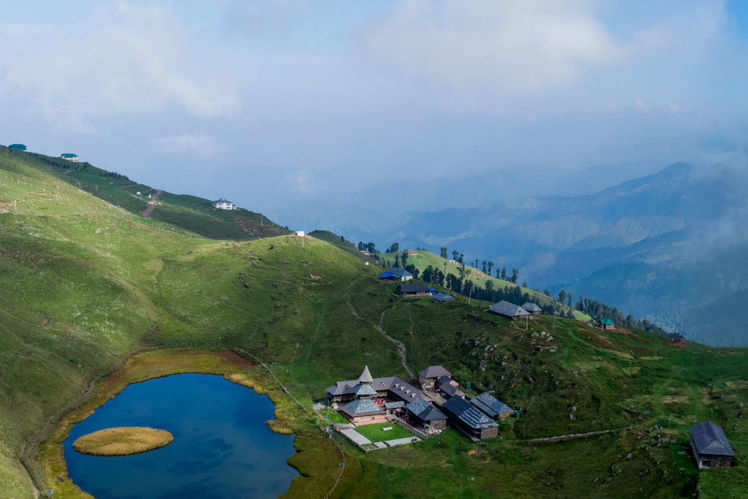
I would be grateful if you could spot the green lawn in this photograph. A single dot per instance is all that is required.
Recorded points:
(376, 433)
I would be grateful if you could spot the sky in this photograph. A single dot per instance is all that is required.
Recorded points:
(327, 114)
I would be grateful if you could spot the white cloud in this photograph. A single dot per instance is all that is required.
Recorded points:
(123, 58)
(505, 46)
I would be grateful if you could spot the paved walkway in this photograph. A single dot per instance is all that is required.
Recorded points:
(355, 437)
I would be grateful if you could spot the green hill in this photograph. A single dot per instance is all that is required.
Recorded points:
(188, 212)
(422, 259)
(86, 283)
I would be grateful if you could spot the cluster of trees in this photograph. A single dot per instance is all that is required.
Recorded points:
(598, 310)
(370, 247)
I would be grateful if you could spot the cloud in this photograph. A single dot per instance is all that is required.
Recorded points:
(119, 59)
(190, 144)
(507, 46)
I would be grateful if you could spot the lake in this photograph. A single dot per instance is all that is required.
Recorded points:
(222, 447)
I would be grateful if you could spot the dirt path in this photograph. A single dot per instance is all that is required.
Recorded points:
(402, 351)
(151, 205)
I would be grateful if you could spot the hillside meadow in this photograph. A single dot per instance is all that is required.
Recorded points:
(87, 284)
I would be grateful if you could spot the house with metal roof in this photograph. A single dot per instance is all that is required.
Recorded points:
(17, 147)
(491, 406)
(396, 274)
(424, 415)
(533, 308)
(69, 156)
(470, 420)
(710, 446)
(364, 411)
(427, 377)
(389, 388)
(509, 310)
(448, 387)
(607, 323)
(413, 289)
(442, 297)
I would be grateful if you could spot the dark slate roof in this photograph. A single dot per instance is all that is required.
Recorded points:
(532, 307)
(708, 438)
(394, 405)
(443, 297)
(468, 414)
(490, 405)
(361, 407)
(434, 372)
(396, 272)
(394, 385)
(424, 411)
(415, 287)
(445, 386)
(508, 309)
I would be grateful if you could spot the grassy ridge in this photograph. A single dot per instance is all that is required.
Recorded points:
(89, 282)
(191, 213)
(423, 258)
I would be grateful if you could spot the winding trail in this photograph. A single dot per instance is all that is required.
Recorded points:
(402, 350)
(151, 205)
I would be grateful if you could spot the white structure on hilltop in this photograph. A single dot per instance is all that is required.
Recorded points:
(223, 204)
(299, 233)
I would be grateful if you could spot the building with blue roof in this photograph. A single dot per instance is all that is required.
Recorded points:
(424, 415)
(17, 147)
(396, 274)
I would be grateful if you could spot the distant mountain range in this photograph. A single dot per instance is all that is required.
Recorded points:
(669, 247)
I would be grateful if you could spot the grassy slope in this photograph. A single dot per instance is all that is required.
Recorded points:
(189, 212)
(425, 258)
(89, 282)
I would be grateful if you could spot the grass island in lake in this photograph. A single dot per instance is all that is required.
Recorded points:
(222, 445)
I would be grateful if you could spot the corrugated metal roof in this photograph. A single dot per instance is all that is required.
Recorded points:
(364, 389)
(508, 309)
(468, 414)
(708, 438)
(443, 297)
(531, 307)
(490, 405)
(424, 410)
(361, 407)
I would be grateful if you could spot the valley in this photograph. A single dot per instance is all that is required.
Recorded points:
(96, 297)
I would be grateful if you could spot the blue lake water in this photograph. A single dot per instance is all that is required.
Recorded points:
(222, 447)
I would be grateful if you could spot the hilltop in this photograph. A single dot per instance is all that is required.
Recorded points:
(88, 283)
(191, 213)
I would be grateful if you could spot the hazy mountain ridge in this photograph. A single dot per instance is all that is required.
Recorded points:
(653, 246)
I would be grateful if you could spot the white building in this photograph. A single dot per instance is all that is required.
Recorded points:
(299, 233)
(223, 204)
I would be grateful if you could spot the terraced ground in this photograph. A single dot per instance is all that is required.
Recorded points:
(86, 283)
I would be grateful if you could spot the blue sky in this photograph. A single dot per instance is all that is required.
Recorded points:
(307, 111)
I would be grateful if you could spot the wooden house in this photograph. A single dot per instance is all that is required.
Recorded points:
(470, 420)
(710, 446)
(427, 377)
(413, 290)
(510, 310)
(422, 414)
(396, 274)
(491, 406)
(533, 308)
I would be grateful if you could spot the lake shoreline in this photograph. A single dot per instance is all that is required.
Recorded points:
(139, 367)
